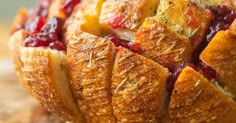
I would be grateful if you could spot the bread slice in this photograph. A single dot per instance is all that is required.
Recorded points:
(44, 74)
(161, 43)
(185, 18)
(84, 17)
(138, 88)
(55, 9)
(195, 99)
(90, 61)
(220, 54)
(14, 45)
(124, 17)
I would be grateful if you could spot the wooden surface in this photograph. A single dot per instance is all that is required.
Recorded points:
(16, 106)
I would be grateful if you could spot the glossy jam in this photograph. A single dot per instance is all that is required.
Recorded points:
(57, 45)
(222, 19)
(34, 25)
(174, 73)
(53, 25)
(127, 44)
(48, 36)
(206, 71)
(37, 40)
(43, 32)
(117, 21)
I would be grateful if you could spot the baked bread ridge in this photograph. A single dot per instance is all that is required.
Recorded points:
(44, 73)
(124, 17)
(221, 55)
(90, 61)
(14, 46)
(162, 44)
(195, 99)
(139, 88)
(85, 17)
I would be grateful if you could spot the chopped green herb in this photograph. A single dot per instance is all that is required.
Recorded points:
(121, 83)
(162, 13)
(163, 19)
(99, 58)
(197, 82)
(194, 32)
(90, 59)
(196, 96)
(51, 95)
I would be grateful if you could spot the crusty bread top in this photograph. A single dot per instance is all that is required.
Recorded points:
(195, 99)
(90, 62)
(160, 43)
(138, 88)
(220, 54)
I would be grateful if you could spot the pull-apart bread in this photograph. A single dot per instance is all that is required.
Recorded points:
(129, 61)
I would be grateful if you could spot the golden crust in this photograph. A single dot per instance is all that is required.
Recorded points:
(126, 15)
(185, 18)
(55, 9)
(15, 43)
(161, 44)
(90, 61)
(85, 18)
(138, 88)
(43, 74)
(195, 99)
(220, 54)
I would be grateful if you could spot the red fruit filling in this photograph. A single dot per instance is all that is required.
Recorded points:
(124, 43)
(34, 25)
(193, 21)
(53, 25)
(37, 40)
(57, 45)
(48, 36)
(117, 21)
(223, 18)
(68, 6)
(41, 34)
(206, 71)
(174, 73)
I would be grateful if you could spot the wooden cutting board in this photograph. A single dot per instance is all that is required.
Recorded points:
(16, 106)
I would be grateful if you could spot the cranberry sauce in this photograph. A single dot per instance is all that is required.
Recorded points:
(68, 6)
(223, 17)
(48, 36)
(44, 32)
(35, 24)
(117, 21)
(127, 44)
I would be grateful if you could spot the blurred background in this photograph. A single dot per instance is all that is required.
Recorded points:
(8, 9)
(16, 106)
